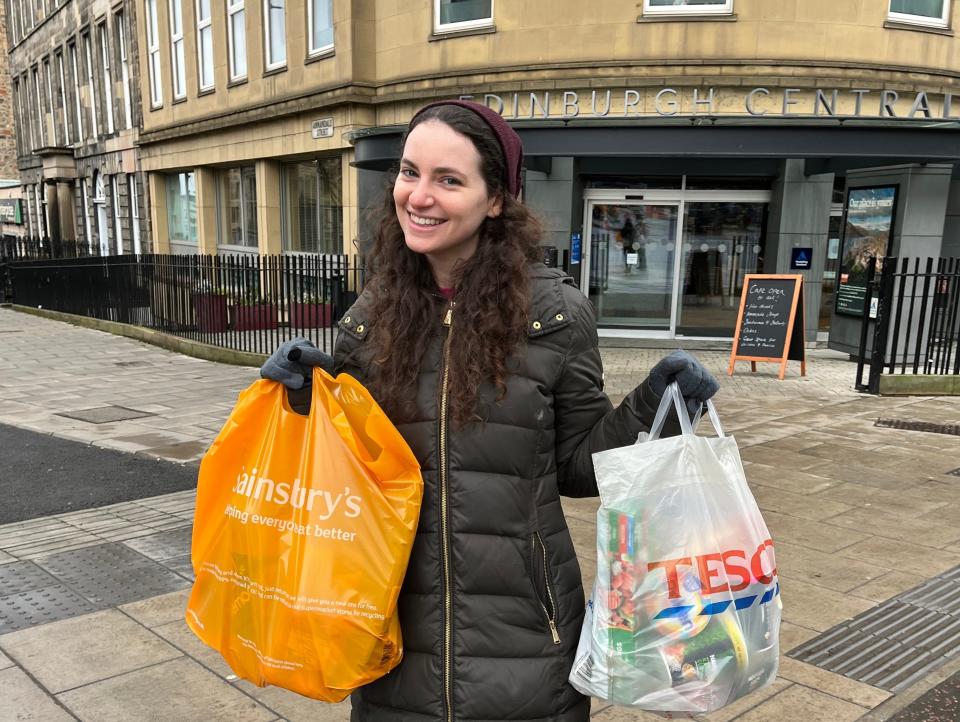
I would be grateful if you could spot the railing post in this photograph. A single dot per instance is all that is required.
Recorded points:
(882, 326)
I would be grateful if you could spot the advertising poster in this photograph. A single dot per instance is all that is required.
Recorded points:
(868, 232)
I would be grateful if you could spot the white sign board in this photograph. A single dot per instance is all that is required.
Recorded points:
(323, 128)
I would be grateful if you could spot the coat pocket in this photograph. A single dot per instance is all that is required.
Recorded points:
(543, 584)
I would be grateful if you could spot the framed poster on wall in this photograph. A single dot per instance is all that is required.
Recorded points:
(867, 231)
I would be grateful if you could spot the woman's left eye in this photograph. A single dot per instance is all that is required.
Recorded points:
(450, 181)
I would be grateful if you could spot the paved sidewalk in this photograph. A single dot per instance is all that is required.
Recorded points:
(91, 602)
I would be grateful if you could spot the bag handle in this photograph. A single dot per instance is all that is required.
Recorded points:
(673, 396)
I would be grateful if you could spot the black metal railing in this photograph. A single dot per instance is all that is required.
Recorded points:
(246, 303)
(15, 248)
(916, 304)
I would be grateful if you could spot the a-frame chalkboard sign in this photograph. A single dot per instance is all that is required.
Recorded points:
(770, 323)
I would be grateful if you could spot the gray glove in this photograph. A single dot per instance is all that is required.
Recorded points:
(695, 382)
(292, 363)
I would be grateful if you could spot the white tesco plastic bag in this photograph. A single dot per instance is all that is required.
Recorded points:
(685, 614)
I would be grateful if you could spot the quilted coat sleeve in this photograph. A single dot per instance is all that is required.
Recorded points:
(586, 421)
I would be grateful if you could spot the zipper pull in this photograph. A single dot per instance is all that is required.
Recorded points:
(553, 631)
(448, 319)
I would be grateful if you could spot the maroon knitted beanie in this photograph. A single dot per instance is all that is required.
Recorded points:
(509, 140)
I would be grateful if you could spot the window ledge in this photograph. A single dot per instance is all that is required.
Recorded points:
(177, 101)
(936, 30)
(207, 91)
(466, 32)
(689, 18)
(320, 55)
(238, 81)
(275, 71)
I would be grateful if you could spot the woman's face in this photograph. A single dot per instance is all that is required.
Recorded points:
(441, 197)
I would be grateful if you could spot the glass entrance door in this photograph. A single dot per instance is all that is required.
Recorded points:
(632, 253)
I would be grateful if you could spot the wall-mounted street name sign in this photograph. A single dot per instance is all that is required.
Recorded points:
(770, 323)
(322, 128)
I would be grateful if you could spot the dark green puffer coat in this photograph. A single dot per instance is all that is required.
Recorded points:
(492, 602)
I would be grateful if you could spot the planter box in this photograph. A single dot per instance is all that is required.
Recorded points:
(210, 311)
(255, 317)
(310, 315)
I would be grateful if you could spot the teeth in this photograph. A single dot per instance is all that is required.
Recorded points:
(425, 221)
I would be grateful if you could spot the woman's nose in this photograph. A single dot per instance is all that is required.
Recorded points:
(421, 196)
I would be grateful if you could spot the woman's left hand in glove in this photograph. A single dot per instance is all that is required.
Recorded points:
(695, 382)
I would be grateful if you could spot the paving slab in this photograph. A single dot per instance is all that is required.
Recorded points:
(832, 684)
(24, 699)
(5, 661)
(294, 707)
(158, 610)
(81, 650)
(180, 636)
(181, 688)
(797, 702)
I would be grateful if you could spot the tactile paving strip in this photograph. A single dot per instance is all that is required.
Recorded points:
(896, 643)
(164, 545)
(931, 428)
(18, 577)
(40, 606)
(112, 574)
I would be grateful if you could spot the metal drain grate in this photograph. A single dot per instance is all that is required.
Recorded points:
(931, 428)
(896, 643)
(105, 414)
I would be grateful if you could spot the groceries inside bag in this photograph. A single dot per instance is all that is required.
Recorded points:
(302, 533)
(685, 612)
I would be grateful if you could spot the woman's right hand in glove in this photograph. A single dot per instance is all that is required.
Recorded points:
(292, 363)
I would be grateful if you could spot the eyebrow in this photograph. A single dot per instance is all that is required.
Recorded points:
(407, 161)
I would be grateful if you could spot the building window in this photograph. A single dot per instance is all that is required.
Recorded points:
(176, 50)
(124, 71)
(134, 211)
(452, 15)
(107, 77)
(237, 39)
(320, 24)
(90, 85)
(62, 99)
(115, 200)
(181, 207)
(237, 203)
(153, 51)
(687, 7)
(312, 210)
(21, 128)
(275, 32)
(85, 200)
(76, 91)
(36, 88)
(50, 107)
(921, 12)
(205, 44)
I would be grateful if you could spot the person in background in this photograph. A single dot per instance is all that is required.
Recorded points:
(487, 363)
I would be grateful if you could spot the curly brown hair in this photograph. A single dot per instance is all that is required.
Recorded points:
(492, 291)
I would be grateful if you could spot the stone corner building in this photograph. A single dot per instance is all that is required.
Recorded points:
(77, 109)
(8, 139)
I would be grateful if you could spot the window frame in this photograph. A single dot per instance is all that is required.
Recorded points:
(153, 54)
(53, 113)
(77, 100)
(235, 7)
(942, 22)
(313, 52)
(134, 211)
(94, 100)
(107, 79)
(442, 28)
(247, 224)
(178, 56)
(62, 89)
(205, 25)
(686, 10)
(267, 33)
(121, 27)
(39, 109)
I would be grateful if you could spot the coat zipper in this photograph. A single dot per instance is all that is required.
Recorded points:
(444, 532)
(551, 615)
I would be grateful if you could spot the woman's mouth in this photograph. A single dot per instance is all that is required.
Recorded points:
(425, 222)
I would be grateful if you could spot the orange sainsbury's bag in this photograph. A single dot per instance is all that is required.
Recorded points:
(302, 533)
